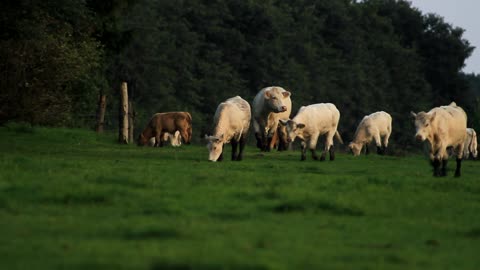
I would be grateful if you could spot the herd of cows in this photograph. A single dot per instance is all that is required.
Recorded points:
(443, 128)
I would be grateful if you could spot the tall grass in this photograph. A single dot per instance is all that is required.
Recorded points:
(71, 199)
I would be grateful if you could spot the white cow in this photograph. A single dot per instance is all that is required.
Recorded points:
(470, 146)
(231, 121)
(442, 127)
(269, 106)
(375, 126)
(311, 122)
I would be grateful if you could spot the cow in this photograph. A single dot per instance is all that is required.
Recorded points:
(231, 124)
(311, 122)
(175, 139)
(168, 122)
(470, 146)
(376, 126)
(442, 127)
(269, 106)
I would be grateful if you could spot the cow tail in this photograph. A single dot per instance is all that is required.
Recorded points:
(339, 138)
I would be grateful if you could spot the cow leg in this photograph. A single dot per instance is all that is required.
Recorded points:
(459, 166)
(367, 151)
(220, 158)
(259, 138)
(158, 140)
(243, 141)
(443, 171)
(436, 166)
(267, 142)
(332, 153)
(378, 143)
(234, 144)
(304, 151)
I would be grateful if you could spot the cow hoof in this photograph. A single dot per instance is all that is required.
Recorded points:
(457, 174)
(302, 158)
(322, 158)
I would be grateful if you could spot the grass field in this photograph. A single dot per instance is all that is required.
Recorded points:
(70, 199)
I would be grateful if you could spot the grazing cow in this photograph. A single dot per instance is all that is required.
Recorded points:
(375, 126)
(175, 139)
(168, 122)
(442, 127)
(231, 121)
(311, 122)
(269, 106)
(470, 146)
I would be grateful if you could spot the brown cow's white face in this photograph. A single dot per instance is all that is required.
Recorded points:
(214, 146)
(292, 129)
(274, 98)
(355, 148)
(423, 125)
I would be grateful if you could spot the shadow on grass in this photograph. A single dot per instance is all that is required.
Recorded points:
(78, 199)
(151, 234)
(473, 233)
(325, 206)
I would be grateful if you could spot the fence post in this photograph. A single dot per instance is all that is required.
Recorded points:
(102, 104)
(123, 124)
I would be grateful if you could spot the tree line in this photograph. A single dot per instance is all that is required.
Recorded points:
(58, 56)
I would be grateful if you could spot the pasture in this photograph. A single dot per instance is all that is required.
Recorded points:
(71, 199)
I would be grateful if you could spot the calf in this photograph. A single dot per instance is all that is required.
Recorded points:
(376, 126)
(311, 122)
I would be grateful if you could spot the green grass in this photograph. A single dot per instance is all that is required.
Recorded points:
(70, 199)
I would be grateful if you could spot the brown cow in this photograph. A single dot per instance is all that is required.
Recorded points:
(167, 122)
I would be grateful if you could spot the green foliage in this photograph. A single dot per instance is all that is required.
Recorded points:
(71, 199)
(190, 55)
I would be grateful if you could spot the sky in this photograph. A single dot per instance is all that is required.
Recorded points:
(459, 13)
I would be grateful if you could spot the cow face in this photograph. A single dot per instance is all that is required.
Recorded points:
(282, 134)
(142, 140)
(214, 146)
(355, 148)
(292, 129)
(274, 98)
(423, 125)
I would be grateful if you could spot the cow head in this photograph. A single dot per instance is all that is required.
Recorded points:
(293, 129)
(274, 98)
(142, 140)
(214, 146)
(423, 125)
(355, 148)
(282, 134)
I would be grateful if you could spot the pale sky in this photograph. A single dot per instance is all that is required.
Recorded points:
(459, 13)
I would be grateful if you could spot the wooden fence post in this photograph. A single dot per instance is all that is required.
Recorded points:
(123, 124)
(102, 104)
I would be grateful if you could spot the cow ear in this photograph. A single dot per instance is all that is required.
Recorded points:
(413, 114)
(433, 116)
(267, 94)
(283, 122)
(207, 137)
(220, 138)
(286, 94)
(300, 125)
